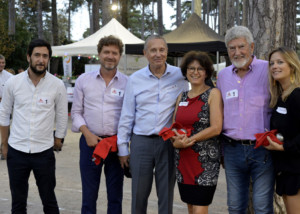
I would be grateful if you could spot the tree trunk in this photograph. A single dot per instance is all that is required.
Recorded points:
(230, 11)
(11, 17)
(90, 17)
(153, 27)
(40, 19)
(222, 17)
(160, 17)
(178, 13)
(69, 21)
(207, 11)
(54, 23)
(124, 13)
(266, 24)
(143, 22)
(95, 12)
(245, 12)
(237, 15)
(289, 27)
(106, 12)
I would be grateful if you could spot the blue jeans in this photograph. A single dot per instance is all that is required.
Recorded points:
(242, 163)
(90, 179)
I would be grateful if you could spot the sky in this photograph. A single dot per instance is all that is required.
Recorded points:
(80, 19)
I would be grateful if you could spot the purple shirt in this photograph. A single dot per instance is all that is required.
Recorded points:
(96, 105)
(246, 100)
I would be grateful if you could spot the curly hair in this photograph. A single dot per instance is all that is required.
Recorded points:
(204, 60)
(110, 40)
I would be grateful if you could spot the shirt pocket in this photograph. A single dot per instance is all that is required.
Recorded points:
(44, 101)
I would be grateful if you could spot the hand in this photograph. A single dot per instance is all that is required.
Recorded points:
(4, 149)
(273, 145)
(57, 144)
(124, 161)
(182, 142)
(92, 140)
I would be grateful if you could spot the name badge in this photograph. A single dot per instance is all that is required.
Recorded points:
(117, 92)
(281, 110)
(232, 94)
(43, 101)
(183, 103)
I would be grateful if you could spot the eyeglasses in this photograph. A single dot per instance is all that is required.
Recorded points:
(193, 69)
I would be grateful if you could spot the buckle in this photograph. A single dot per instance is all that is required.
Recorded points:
(247, 142)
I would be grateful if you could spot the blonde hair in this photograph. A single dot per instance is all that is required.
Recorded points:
(276, 90)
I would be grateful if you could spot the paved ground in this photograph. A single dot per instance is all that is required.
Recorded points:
(68, 188)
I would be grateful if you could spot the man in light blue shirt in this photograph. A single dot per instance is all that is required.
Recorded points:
(148, 106)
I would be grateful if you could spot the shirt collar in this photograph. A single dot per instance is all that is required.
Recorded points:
(149, 73)
(97, 74)
(254, 60)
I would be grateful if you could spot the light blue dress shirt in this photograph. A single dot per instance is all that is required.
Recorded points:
(148, 104)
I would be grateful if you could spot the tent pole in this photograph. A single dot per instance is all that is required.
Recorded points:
(125, 67)
(217, 61)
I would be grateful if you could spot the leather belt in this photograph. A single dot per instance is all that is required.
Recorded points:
(242, 142)
(152, 136)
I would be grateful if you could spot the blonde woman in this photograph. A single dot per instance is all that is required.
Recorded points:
(284, 76)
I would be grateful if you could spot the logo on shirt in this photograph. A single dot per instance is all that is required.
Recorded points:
(117, 92)
(43, 101)
(232, 94)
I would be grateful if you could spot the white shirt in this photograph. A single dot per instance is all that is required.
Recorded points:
(4, 76)
(34, 110)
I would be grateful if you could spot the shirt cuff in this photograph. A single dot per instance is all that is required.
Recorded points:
(123, 149)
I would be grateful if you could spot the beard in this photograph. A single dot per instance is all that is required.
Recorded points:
(242, 62)
(36, 71)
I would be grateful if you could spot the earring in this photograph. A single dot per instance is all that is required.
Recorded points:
(292, 77)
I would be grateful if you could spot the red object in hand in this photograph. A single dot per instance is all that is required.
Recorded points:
(261, 138)
(167, 133)
(104, 147)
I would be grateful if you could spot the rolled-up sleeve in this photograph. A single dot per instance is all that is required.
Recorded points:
(77, 107)
(126, 120)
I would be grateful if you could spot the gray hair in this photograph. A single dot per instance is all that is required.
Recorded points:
(2, 57)
(153, 37)
(238, 32)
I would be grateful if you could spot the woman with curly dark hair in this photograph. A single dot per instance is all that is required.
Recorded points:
(197, 157)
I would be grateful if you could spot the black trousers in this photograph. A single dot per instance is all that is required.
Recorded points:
(19, 166)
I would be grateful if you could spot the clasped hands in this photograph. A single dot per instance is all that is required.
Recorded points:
(181, 141)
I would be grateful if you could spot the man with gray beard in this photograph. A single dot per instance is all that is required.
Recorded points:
(245, 92)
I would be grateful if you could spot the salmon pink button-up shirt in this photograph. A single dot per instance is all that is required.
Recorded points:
(246, 100)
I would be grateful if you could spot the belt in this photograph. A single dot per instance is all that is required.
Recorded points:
(152, 136)
(242, 142)
(105, 136)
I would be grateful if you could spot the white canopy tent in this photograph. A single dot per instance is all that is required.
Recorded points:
(88, 46)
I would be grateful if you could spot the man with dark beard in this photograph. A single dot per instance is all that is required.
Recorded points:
(96, 109)
(37, 99)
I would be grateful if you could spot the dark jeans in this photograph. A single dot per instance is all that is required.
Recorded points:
(19, 166)
(90, 179)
